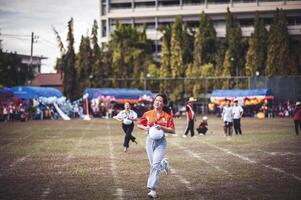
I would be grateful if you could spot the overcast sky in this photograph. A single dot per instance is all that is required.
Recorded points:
(21, 17)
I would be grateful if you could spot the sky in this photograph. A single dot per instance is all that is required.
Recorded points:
(22, 17)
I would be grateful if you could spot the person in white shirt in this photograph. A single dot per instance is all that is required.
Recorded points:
(127, 117)
(237, 112)
(227, 118)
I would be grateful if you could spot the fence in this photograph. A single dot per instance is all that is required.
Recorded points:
(179, 89)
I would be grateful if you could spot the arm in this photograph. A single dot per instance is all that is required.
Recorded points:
(143, 124)
(166, 129)
(118, 116)
(169, 128)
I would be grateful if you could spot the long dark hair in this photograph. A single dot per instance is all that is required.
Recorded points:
(165, 102)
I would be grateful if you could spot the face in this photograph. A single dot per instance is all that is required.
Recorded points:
(158, 103)
(127, 106)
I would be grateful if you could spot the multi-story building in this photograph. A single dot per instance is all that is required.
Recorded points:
(154, 13)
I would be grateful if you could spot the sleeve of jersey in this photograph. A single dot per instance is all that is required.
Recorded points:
(143, 120)
(170, 123)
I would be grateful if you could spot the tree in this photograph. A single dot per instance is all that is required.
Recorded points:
(176, 51)
(66, 64)
(98, 69)
(205, 40)
(278, 57)
(235, 48)
(257, 52)
(131, 54)
(84, 64)
(12, 71)
(165, 70)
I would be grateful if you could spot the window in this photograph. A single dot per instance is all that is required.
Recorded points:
(103, 28)
(145, 4)
(120, 5)
(169, 2)
(193, 2)
(218, 1)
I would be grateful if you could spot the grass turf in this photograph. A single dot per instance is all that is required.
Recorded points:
(84, 160)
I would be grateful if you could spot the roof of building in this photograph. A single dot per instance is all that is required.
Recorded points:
(48, 79)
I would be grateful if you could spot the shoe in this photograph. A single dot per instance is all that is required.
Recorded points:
(125, 149)
(184, 136)
(152, 194)
(166, 166)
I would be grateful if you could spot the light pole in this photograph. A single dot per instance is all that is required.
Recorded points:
(236, 68)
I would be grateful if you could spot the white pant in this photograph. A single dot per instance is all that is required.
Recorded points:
(155, 150)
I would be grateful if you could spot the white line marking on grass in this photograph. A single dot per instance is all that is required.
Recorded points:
(254, 162)
(16, 141)
(45, 194)
(230, 152)
(181, 178)
(70, 155)
(279, 153)
(191, 153)
(119, 191)
(19, 161)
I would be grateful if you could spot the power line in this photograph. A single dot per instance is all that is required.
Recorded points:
(13, 35)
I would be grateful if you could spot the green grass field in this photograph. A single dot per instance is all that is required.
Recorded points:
(85, 160)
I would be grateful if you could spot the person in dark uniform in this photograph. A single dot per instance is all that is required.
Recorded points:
(202, 129)
(190, 116)
(297, 117)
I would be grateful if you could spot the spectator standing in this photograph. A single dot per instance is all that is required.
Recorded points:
(190, 117)
(297, 117)
(237, 112)
(227, 118)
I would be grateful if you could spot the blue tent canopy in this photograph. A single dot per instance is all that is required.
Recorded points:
(242, 93)
(117, 93)
(6, 92)
(28, 92)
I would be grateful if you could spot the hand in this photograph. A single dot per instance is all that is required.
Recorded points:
(158, 127)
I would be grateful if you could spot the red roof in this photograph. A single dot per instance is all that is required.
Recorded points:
(48, 80)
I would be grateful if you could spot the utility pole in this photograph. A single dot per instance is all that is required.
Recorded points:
(31, 48)
(33, 40)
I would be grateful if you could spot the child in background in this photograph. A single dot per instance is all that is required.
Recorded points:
(202, 129)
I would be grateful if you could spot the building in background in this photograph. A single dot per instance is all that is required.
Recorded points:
(154, 13)
(48, 80)
(35, 62)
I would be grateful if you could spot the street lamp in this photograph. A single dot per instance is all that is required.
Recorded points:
(236, 67)
(90, 78)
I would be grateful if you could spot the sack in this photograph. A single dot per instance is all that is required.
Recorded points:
(154, 133)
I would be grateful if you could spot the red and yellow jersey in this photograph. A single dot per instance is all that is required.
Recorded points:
(150, 118)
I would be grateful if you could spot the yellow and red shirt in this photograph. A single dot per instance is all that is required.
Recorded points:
(150, 118)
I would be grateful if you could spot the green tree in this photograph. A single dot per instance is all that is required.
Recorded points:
(206, 40)
(12, 71)
(66, 64)
(235, 50)
(98, 65)
(257, 51)
(84, 64)
(131, 54)
(176, 50)
(278, 57)
(165, 70)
